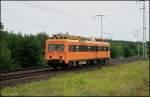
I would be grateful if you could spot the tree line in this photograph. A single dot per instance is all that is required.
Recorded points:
(19, 51)
(120, 48)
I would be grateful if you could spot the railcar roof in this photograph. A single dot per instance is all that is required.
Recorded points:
(78, 41)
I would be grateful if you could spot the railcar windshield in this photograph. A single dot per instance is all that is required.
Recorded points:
(55, 47)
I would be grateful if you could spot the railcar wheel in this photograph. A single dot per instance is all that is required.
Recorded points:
(65, 66)
(95, 62)
(104, 61)
(98, 62)
(89, 62)
(101, 61)
(70, 64)
(54, 66)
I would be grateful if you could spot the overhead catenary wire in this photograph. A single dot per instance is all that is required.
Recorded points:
(66, 23)
(116, 28)
(37, 17)
(29, 21)
(78, 18)
(51, 10)
(25, 22)
(25, 14)
(43, 8)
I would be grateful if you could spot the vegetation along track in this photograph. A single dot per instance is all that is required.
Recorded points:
(15, 77)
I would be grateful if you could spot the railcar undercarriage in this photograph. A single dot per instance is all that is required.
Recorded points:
(61, 63)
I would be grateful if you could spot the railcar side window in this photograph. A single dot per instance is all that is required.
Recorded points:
(74, 48)
(82, 48)
(93, 48)
(99, 48)
(71, 48)
(107, 48)
(77, 48)
(102, 48)
(89, 48)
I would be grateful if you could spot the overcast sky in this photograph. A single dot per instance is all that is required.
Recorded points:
(76, 17)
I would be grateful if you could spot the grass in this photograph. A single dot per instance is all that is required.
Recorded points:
(130, 79)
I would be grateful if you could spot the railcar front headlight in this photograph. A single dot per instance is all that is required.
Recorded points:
(48, 57)
(62, 57)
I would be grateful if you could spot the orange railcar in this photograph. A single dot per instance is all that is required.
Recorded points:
(61, 52)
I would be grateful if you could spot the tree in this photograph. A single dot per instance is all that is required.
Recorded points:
(5, 55)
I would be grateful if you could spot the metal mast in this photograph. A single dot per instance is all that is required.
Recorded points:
(144, 30)
(137, 35)
(101, 22)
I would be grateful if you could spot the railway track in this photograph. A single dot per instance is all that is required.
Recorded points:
(15, 77)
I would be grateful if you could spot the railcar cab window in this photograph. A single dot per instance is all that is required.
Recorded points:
(55, 47)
